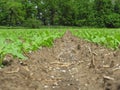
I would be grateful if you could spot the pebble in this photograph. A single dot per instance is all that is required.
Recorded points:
(52, 76)
(30, 51)
(68, 84)
(50, 68)
(73, 70)
(45, 86)
(53, 87)
(86, 84)
(57, 68)
(72, 76)
(54, 69)
(56, 84)
(63, 71)
(77, 79)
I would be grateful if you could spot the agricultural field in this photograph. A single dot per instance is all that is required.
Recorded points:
(18, 42)
(60, 59)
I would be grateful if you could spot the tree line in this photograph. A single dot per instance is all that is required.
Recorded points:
(34, 13)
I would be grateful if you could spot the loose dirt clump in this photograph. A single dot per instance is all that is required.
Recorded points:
(71, 64)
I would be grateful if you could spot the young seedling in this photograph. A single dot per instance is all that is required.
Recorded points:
(1, 56)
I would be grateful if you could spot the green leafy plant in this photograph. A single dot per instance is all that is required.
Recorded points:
(20, 42)
(2, 46)
(107, 37)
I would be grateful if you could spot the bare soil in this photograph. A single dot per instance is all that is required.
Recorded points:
(71, 64)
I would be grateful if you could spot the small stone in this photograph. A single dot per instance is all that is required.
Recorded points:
(30, 51)
(45, 86)
(52, 76)
(72, 76)
(54, 69)
(63, 71)
(68, 84)
(86, 84)
(53, 87)
(57, 68)
(74, 70)
(56, 84)
(77, 79)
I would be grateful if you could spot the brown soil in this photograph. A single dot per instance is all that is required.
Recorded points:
(71, 64)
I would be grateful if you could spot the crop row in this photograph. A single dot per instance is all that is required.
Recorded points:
(110, 38)
(16, 42)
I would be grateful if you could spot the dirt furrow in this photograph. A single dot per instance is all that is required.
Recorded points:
(71, 64)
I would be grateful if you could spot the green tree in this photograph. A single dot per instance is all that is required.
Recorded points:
(33, 13)
(117, 6)
(30, 9)
(84, 12)
(67, 12)
(112, 20)
(102, 9)
(12, 13)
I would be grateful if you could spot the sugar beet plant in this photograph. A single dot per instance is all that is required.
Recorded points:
(2, 46)
(16, 42)
(107, 37)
